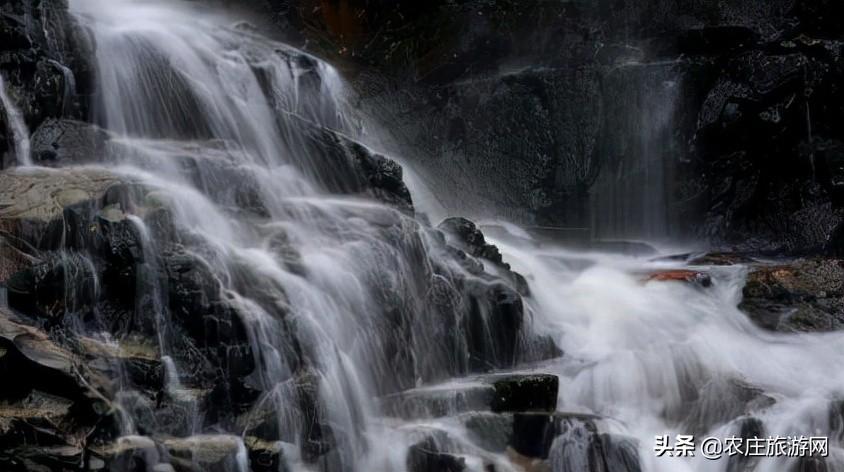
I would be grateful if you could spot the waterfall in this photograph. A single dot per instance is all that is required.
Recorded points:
(633, 197)
(322, 290)
(16, 125)
(271, 299)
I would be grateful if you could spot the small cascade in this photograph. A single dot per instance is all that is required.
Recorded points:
(276, 261)
(17, 126)
(228, 280)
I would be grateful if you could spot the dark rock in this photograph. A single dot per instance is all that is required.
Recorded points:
(44, 62)
(491, 431)
(317, 436)
(61, 142)
(525, 393)
(556, 441)
(345, 166)
(735, 399)
(13, 257)
(63, 284)
(769, 157)
(46, 208)
(802, 295)
(495, 393)
(426, 456)
(748, 427)
(466, 236)
(265, 456)
(469, 238)
(211, 453)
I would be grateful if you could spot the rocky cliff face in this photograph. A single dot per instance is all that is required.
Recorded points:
(44, 63)
(716, 120)
(131, 344)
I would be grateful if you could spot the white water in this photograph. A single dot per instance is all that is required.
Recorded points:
(660, 357)
(17, 126)
(207, 115)
(182, 88)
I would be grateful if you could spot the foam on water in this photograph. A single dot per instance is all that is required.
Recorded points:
(673, 358)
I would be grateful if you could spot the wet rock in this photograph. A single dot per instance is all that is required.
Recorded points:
(766, 148)
(802, 295)
(718, 400)
(681, 275)
(62, 142)
(132, 454)
(491, 431)
(494, 320)
(54, 405)
(536, 392)
(466, 236)
(495, 393)
(554, 441)
(13, 259)
(43, 62)
(348, 167)
(426, 456)
(748, 427)
(211, 453)
(63, 284)
(43, 206)
(317, 437)
(265, 456)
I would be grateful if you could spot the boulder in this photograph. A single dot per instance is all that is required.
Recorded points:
(553, 441)
(426, 456)
(466, 236)
(265, 456)
(63, 142)
(43, 207)
(799, 295)
(44, 64)
(205, 453)
(494, 393)
(343, 165)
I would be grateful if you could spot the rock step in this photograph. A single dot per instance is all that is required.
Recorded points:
(199, 453)
(495, 393)
(533, 441)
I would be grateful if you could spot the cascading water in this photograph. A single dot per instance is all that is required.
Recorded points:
(297, 307)
(312, 302)
(667, 359)
(17, 126)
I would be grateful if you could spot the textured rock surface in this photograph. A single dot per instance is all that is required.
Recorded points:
(44, 63)
(803, 295)
(631, 119)
(80, 261)
(495, 393)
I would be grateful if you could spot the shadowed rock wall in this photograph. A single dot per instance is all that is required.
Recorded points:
(694, 119)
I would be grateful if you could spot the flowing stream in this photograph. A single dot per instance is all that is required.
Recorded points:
(334, 291)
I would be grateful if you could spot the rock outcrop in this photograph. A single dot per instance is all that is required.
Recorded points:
(632, 119)
(105, 294)
(44, 64)
(797, 296)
